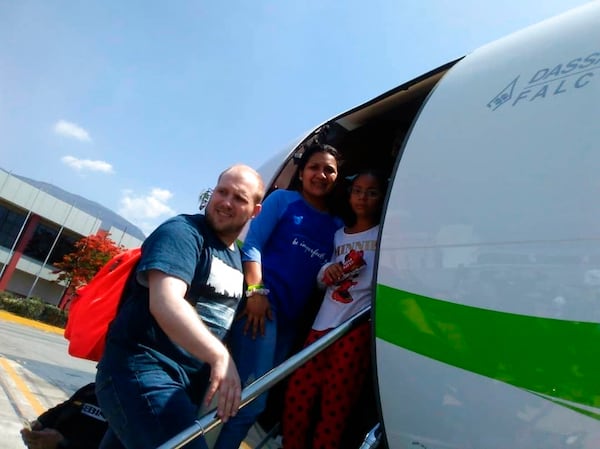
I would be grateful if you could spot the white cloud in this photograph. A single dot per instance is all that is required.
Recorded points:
(87, 164)
(142, 209)
(69, 129)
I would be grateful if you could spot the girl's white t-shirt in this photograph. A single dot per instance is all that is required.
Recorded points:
(356, 254)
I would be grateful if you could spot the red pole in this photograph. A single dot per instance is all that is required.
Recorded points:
(23, 241)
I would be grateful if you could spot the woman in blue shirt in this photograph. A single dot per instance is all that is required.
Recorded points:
(285, 247)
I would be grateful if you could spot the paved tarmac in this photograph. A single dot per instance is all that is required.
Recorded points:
(23, 395)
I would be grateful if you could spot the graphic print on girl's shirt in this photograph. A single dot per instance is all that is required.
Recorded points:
(353, 264)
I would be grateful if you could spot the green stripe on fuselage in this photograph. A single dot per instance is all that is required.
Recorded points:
(551, 357)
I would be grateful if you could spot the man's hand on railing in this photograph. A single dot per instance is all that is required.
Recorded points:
(260, 385)
(225, 382)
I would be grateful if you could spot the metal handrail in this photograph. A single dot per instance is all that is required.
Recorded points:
(210, 420)
(373, 438)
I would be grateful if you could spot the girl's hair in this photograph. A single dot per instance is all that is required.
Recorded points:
(301, 160)
(381, 179)
(375, 173)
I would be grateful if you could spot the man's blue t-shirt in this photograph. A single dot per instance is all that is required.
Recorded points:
(187, 248)
(292, 240)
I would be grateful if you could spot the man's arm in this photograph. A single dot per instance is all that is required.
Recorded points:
(178, 319)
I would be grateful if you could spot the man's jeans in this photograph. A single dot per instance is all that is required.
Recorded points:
(145, 404)
(253, 358)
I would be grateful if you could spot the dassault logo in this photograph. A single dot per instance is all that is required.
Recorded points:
(549, 81)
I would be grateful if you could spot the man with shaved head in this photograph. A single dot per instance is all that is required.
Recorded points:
(164, 349)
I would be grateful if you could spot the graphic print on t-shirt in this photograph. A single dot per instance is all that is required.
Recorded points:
(353, 264)
(216, 305)
(224, 279)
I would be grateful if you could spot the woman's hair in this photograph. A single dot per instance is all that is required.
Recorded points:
(309, 150)
(314, 148)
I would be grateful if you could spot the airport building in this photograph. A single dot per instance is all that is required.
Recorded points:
(39, 223)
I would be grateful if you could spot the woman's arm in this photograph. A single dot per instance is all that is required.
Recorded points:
(257, 305)
(257, 308)
(262, 226)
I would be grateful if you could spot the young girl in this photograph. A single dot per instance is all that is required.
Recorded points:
(336, 375)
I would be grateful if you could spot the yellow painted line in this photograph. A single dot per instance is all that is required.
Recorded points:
(7, 316)
(22, 387)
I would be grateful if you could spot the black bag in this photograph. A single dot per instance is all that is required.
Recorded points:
(79, 419)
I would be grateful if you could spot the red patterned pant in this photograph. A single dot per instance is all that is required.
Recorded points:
(334, 378)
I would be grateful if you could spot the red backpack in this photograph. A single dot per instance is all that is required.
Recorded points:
(95, 306)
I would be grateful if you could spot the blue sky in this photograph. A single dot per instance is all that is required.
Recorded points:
(138, 105)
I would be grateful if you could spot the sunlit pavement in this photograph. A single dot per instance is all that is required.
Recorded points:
(23, 395)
